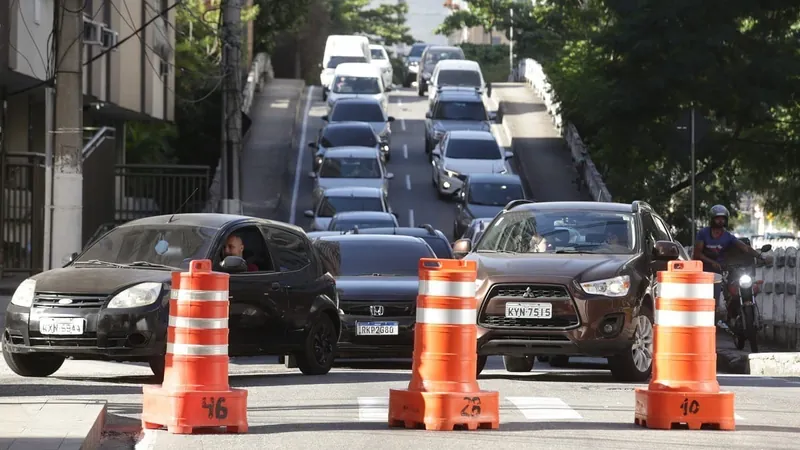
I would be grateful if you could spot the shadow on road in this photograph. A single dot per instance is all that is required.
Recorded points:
(56, 390)
(519, 108)
(297, 379)
(560, 377)
(755, 381)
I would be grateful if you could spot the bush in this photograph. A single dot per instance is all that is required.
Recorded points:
(492, 58)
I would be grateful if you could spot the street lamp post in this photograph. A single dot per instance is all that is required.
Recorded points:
(693, 175)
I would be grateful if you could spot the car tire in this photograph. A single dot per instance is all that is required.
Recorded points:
(388, 157)
(518, 364)
(324, 95)
(158, 364)
(407, 82)
(319, 349)
(559, 361)
(420, 90)
(37, 365)
(628, 366)
(481, 364)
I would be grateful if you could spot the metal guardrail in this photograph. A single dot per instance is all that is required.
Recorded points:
(533, 74)
(151, 190)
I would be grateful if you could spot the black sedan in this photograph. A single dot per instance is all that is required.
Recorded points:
(485, 195)
(377, 291)
(346, 134)
(111, 302)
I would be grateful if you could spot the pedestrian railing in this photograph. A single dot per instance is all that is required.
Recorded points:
(145, 190)
(21, 215)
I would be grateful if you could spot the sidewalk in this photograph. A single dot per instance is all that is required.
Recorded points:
(267, 151)
(540, 153)
(51, 425)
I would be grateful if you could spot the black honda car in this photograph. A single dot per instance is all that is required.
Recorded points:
(111, 302)
(377, 291)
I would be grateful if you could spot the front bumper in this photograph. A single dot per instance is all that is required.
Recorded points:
(353, 345)
(412, 68)
(449, 185)
(133, 334)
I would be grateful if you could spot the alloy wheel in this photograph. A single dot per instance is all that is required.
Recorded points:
(323, 345)
(642, 349)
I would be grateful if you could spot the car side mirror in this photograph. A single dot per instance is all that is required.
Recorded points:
(387, 89)
(69, 259)
(233, 264)
(312, 145)
(488, 89)
(325, 118)
(509, 155)
(309, 213)
(492, 116)
(389, 176)
(461, 247)
(390, 119)
(312, 174)
(766, 247)
(666, 251)
(428, 115)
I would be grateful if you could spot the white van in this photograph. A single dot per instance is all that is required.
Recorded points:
(341, 49)
(358, 80)
(459, 73)
(380, 59)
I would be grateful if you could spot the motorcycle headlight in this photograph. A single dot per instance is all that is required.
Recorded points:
(611, 287)
(140, 295)
(745, 282)
(23, 296)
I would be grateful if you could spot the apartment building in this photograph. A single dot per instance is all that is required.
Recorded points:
(473, 35)
(131, 81)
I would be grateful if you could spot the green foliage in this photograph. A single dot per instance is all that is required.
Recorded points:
(491, 15)
(385, 23)
(275, 17)
(492, 58)
(628, 73)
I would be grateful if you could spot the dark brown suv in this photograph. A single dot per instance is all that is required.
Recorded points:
(570, 278)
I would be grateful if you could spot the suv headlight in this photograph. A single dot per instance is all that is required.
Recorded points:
(140, 295)
(450, 173)
(745, 282)
(23, 296)
(611, 287)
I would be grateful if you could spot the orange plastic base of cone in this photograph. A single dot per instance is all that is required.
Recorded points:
(667, 410)
(444, 411)
(187, 412)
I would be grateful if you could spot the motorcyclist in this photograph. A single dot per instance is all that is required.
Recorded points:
(714, 241)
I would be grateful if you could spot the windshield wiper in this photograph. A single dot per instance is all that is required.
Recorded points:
(148, 264)
(572, 251)
(509, 252)
(99, 263)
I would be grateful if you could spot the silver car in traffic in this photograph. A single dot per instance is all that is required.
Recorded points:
(351, 167)
(336, 200)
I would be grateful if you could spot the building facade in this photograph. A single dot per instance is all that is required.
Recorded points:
(123, 82)
(473, 35)
(423, 17)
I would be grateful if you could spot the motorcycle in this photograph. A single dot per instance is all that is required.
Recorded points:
(738, 279)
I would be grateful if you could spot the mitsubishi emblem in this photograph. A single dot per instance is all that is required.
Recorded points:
(528, 293)
(65, 301)
(376, 310)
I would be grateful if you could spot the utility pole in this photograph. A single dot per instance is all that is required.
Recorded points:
(67, 222)
(231, 105)
(511, 76)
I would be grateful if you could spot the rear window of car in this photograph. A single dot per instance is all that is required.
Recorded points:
(357, 112)
(416, 51)
(440, 246)
(349, 136)
(357, 257)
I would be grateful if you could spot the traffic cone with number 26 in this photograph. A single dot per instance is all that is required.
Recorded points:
(684, 390)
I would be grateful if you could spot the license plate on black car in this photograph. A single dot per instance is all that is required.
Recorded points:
(377, 328)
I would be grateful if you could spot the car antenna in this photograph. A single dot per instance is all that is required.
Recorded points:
(182, 205)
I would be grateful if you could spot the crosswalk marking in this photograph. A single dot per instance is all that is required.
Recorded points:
(544, 408)
(373, 409)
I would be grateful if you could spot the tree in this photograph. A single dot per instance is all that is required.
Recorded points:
(386, 22)
(276, 17)
(491, 15)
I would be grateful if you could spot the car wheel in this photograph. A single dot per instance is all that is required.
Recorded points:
(157, 365)
(455, 232)
(388, 156)
(406, 83)
(420, 90)
(481, 364)
(32, 364)
(518, 364)
(636, 364)
(442, 196)
(320, 347)
(559, 361)
(324, 95)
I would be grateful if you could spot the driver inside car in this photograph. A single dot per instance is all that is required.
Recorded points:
(235, 247)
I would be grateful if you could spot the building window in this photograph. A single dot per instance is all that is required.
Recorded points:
(37, 11)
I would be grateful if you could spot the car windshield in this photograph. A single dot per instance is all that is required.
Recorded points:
(433, 57)
(472, 149)
(471, 111)
(468, 78)
(356, 257)
(349, 224)
(440, 246)
(357, 112)
(350, 168)
(332, 205)
(356, 85)
(348, 136)
(336, 60)
(377, 53)
(167, 245)
(494, 194)
(564, 231)
(416, 51)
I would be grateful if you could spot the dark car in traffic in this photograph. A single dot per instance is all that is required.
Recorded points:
(412, 63)
(572, 279)
(363, 109)
(435, 238)
(485, 195)
(346, 134)
(432, 55)
(350, 220)
(111, 302)
(455, 110)
(377, 291)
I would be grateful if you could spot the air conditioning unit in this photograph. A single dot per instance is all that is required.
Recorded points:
(92, 32)
(109, 38)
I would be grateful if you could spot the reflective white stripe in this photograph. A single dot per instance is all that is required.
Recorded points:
(667, 318)
(436, 288)
(207, 296)
(436, 316)
(685, 290)
(197, 350)
(202, 324)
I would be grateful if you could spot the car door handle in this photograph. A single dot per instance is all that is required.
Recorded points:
(276, 286)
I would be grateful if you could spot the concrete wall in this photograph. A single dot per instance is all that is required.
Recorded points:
(31, 23)
(778, 302)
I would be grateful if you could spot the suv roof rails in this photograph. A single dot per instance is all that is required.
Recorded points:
(514, 203)
(429, 228)
(639, 205)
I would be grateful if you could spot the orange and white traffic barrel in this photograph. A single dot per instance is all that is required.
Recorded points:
(195, 392)
(443, 393)
(683, 391)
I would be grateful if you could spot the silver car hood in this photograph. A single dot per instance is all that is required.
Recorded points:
(327, 183)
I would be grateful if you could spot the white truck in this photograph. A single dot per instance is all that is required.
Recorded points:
(340, 49)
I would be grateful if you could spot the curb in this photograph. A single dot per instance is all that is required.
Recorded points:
(774, 364)
(729, 361)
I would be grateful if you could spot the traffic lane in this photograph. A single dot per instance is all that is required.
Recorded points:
(416, 199)
(302, 200)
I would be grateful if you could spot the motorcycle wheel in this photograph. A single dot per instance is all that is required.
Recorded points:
(750, 328)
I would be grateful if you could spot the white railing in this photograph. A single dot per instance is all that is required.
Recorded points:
(532, 73)
(778, 302)
(260, 73)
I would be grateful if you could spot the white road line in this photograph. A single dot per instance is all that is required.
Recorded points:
(299, 167)
(544, 408)
(147, 441)
(408, 182)
(373, 409)
(738, 417)
(411, 218)
(405, 151)
(403, 124)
